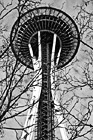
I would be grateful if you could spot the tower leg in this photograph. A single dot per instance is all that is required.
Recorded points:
(30, 125)
(27, 134)
(53, 81)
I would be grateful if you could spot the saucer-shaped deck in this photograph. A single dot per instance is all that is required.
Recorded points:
(47, 21)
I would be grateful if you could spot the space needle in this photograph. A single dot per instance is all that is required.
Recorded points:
(44, 39)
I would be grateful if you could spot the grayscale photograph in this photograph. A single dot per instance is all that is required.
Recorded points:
(46, 69)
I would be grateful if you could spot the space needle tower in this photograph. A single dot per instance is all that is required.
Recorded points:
(44, 39)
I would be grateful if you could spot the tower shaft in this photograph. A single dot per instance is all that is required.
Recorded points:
(45, 121)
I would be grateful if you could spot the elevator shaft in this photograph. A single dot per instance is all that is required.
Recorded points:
(45, 121)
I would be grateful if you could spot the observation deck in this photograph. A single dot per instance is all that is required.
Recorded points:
(45, 19)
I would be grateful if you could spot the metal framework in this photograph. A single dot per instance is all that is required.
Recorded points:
(50, 38)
